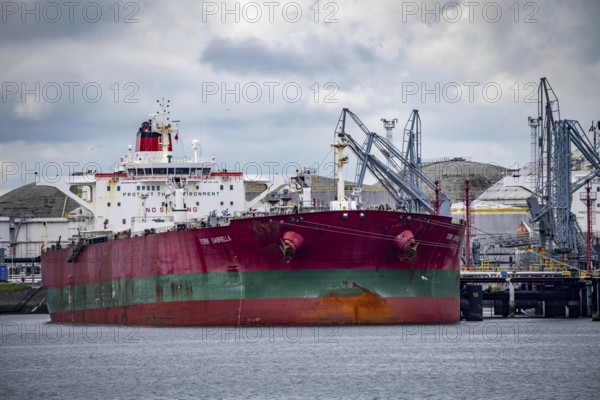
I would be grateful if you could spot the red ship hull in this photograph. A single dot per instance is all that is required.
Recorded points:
(346, 267)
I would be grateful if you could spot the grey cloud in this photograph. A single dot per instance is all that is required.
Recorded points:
(368, 56)
(253, 56)
(48, 20)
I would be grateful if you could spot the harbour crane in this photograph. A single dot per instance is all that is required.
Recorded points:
(550, 204)
(400, 174)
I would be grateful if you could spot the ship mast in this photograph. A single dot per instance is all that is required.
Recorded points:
(341, 203)
(339, 147)
(162, 125)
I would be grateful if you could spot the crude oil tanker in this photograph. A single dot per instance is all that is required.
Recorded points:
(199, 260)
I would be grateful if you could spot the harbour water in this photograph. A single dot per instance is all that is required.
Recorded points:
(494, 359)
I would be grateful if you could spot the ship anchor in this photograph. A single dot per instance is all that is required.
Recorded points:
(291, 244)
(410, 252)
(288, 251)
(407, 245)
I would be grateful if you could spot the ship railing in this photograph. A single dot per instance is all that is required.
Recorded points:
(251, 214)
(267, 213)
(174, 160)
(163, 177)
(171, 228)
(157, 218)
(277, 210)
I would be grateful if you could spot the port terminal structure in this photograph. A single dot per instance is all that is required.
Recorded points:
(561, 253)
(548, 290)
(564, 280)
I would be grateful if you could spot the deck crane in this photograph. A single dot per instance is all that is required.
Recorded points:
(550, 205)
(400, 173)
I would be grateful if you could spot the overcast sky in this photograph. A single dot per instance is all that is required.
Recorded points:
(263, 83)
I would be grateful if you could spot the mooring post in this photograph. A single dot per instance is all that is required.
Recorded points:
(511, 298)
(595, 300)
(475, 299)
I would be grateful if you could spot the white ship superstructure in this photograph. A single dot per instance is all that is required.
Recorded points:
(152, 188)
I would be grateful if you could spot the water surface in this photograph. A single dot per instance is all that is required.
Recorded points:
(494, 359)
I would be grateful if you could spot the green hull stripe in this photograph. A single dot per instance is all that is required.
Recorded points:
(254, 285)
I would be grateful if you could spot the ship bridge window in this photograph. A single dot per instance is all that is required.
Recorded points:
(158, 188)
(118, 188)
(148, 171)
(182, 171)
(160, 171)
(171, 171)
(196, 171)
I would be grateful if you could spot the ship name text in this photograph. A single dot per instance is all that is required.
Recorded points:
(215, 240)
